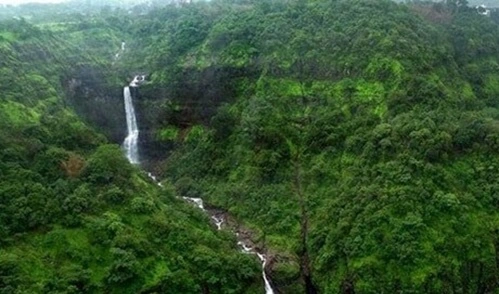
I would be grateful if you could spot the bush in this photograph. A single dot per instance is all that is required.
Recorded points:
(187, 187)
(9, 274)
(142, 205)
(114, 195)
(108, 165)
(124, 269)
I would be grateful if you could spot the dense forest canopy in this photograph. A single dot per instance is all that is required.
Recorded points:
(356, 140)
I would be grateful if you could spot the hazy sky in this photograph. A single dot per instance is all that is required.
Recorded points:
(14, 2)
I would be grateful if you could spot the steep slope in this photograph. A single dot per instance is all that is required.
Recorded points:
(75, 216)
(358, 139)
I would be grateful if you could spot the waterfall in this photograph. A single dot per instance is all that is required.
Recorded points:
(131, 141)
(268, 288)
(130, 144)
(118, 54)
(263, 259)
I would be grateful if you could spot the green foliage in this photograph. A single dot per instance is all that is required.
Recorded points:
(108, 165)
(75, 215)
(113, 195)
(9, 269)
(357, 139)
(169, 134)
(372, 121)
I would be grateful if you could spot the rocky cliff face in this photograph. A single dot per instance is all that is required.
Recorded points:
(191, 99)
(98, 101)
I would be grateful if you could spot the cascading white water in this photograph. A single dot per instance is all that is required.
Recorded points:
(219, 221)
(268, 288)
(118, 54)
(131, 141)
(198, 201)
(245, 248)
(248, 250)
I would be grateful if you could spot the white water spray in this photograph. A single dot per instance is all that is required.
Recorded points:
(219, 221)
(131, 141)
(248, 250)
(268, 288)
(118, 54)
(197, 201)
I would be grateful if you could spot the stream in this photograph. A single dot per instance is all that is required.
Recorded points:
(245, 248)
(131, 148)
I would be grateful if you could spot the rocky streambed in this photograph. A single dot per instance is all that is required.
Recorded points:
(224, 221)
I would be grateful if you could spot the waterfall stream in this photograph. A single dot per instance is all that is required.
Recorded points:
(219, 221)
(268, 287)
(118, 54)
(132, 153)
(131, 141)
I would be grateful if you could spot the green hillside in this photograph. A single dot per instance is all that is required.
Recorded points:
(356, 139)
(75, 216)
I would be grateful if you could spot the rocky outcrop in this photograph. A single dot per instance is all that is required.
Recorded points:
(97, 101)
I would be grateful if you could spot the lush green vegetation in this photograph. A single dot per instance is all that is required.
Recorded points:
(75, 216)
(358, 139)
